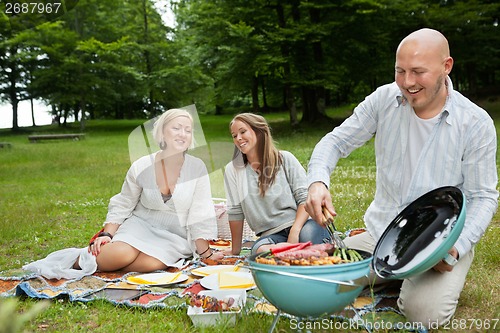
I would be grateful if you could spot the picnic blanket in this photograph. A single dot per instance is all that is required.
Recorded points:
(21, 283)
(370, 307)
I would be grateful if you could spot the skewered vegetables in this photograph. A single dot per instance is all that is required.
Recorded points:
(310, 255)
(212, 304)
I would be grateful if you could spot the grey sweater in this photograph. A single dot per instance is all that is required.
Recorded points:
(277, 209)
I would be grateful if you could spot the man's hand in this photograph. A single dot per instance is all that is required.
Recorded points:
(317, 197)
(442, 267)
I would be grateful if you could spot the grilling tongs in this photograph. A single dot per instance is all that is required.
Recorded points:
(330, 227)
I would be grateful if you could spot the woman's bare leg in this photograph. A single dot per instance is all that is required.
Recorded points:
(119, 256)
(115, 256)
(144, 263)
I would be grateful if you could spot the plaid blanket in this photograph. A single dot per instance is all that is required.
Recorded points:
(368, 307)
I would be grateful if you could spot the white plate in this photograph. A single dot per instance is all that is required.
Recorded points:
(212, 281)
(208, 270)
(153, 277)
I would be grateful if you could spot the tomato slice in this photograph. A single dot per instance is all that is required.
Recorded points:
(286, 247)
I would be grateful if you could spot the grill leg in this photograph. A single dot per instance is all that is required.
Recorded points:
(275, 321)
(358, 316)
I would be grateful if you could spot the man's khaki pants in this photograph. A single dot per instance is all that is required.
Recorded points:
(430, 298)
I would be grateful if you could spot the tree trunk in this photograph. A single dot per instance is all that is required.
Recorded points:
(14, 101)
(30, 72)
(66, 114)
(56, 117)
(32, 112)
(15, 107)
(82, 119)
(292, 106)
(218, 107)
(315, 95)
(265, 107)
(15, 124)
(310, 113)
(148, 60)
(76, 111)
(471, 79)
(255, 94)
(287, 89)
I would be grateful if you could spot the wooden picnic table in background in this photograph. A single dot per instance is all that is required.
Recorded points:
(39, 137)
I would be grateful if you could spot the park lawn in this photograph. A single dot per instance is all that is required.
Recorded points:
(55, 194)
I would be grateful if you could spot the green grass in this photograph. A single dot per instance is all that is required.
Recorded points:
(55, 194)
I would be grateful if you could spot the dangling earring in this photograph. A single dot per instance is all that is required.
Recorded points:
(163, 145)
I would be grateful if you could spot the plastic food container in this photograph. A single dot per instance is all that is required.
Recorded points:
(200, 318)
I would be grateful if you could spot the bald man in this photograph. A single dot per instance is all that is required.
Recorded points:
(427, 135)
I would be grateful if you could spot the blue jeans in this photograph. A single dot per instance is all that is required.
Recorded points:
(311, 231)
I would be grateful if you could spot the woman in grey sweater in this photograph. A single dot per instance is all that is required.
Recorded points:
(267, 187)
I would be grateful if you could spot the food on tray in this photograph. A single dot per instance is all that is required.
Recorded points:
(355, 232)
(223, 261)
(219, 242)
(289, 247)
(308, 254)
(308, 251)
(212, 304)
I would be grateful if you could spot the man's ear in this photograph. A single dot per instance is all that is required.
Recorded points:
(448, 65)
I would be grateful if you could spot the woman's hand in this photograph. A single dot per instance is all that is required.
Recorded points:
(293, 236)
(300, 219)
(217, 255)
(95, 246)
(104, 237)
(206, 252)
(213, 255)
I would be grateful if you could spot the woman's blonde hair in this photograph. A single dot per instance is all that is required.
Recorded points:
(269, 157)
(167, 117)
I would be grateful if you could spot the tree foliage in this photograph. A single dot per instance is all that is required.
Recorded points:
(312, 54)
(117, 59)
